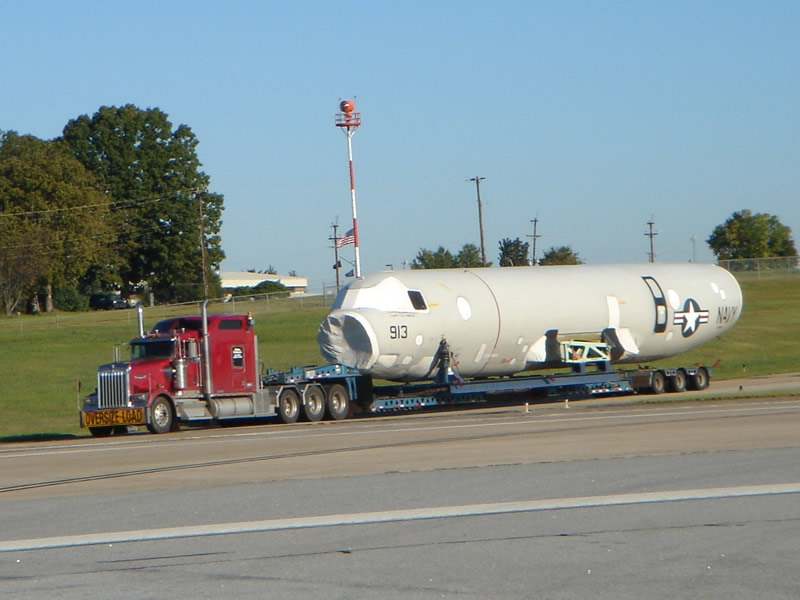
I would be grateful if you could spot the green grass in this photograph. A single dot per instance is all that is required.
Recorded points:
(42, 357)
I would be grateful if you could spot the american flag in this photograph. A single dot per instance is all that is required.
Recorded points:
(347, 238)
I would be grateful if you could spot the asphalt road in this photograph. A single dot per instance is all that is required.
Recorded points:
(591, 499)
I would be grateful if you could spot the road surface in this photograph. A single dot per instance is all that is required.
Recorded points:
(695, 499)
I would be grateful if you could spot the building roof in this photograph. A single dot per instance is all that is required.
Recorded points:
(235, 279)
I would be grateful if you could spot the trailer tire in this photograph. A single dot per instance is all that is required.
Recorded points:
(658, 382)
(699, 381)
(677, 383)
(338, 402)
(161, 416)
(101, 431)
(314, 403)
(289, 406)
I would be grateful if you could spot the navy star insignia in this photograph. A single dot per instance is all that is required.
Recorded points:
(690, 318)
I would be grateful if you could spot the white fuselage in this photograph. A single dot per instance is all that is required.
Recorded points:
(499, 321)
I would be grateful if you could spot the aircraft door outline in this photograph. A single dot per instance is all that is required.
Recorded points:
(660, 302)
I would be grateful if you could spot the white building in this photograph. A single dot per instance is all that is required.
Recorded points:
(235, 279)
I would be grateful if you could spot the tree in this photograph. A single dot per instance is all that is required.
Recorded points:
(19, 268)
(54, 220)
(152, 174)
(468, 257)
(441, 259)
(563, 255)
(513, 253)
(748, 235)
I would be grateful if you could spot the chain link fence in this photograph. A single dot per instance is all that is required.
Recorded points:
(758, 268)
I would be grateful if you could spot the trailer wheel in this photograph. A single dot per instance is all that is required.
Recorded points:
(101, 431)
(677, 383)
(658, 382)
(161, 416)
(289, 406)
(314, 403)
(338, 402)
(699, 381)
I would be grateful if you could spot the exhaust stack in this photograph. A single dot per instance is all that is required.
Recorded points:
(207, 387)
(140, 318)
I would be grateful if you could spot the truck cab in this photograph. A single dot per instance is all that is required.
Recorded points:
(176, 369)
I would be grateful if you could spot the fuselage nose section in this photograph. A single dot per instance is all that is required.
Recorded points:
(347, 338)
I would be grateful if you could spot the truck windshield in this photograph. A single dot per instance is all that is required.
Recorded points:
(152, 349)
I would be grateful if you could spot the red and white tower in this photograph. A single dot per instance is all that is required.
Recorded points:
(349, 120)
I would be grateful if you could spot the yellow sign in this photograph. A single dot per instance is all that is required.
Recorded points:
(116, 416)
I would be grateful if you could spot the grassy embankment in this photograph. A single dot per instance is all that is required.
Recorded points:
(43, 357)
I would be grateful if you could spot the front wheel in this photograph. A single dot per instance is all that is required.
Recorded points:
(161, 416)
(338, 402)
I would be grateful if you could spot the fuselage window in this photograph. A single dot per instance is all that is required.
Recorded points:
(417, 301)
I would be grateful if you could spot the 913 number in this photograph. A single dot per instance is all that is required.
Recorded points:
(398, 332)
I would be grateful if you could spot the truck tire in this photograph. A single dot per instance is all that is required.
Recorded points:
(314, 403)
(658, 382)
(699, 381)
(161, 416)
(289, 406)
(677, 383)
(338, 402)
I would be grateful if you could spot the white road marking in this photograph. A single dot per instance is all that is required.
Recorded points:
(391, 516)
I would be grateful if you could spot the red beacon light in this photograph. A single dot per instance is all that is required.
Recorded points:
(348, 118)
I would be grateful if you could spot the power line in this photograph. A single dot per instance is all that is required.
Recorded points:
(130, 203)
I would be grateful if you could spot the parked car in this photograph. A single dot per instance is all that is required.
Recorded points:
(107, 301)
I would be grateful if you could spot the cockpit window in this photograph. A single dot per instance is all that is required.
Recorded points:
(417, 301)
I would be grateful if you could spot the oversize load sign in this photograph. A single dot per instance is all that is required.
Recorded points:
(117, 416)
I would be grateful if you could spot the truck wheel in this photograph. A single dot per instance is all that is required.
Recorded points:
(289, 406)
(160, 416)
(658, 382)
(314, 403)
(699, 381)
(677, 383)
(338, 402)
(101, 431)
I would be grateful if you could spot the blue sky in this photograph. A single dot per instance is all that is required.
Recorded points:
(593, 117)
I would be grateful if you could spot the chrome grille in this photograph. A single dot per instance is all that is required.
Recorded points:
(112, 386)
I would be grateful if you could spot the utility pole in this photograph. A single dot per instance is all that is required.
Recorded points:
(694, 247)
(651, 234)
(477, 181)
(336, 264)
(535, 236)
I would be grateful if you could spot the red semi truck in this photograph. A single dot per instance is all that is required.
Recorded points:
(205, 368)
